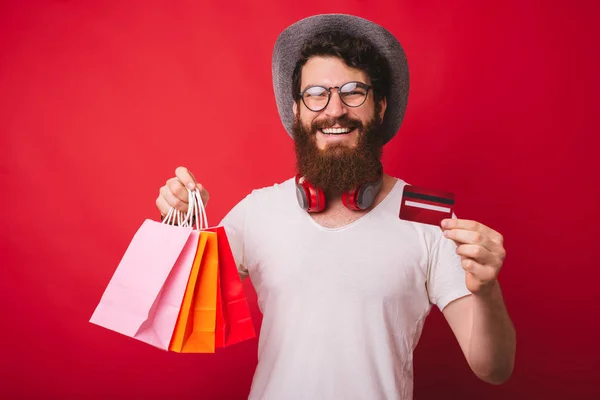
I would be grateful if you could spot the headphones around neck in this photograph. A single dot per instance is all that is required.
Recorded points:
(312, 199)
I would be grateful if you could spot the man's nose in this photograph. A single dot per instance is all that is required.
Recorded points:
(336, 107)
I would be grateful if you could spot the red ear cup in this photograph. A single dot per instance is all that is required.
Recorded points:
(310, 198)
(363, 196)
(349, 199)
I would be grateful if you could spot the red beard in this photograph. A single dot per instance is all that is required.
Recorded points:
(339, 168)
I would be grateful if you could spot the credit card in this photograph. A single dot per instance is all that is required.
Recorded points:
(427, 206)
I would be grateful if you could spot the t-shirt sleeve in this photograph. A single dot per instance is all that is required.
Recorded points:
(234, 224)
(446, 280)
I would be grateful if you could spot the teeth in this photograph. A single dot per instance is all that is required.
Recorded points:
(336, 130)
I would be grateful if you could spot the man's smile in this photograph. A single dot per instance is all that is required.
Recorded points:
(336, 131)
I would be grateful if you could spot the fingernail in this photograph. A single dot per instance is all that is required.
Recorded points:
(445, 223)
(446, 233)
(191, 186)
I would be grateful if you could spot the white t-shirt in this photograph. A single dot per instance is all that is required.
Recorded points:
(343, 308)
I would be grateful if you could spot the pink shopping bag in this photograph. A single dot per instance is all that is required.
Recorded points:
(144, 296)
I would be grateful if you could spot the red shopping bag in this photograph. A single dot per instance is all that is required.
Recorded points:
(234, 322)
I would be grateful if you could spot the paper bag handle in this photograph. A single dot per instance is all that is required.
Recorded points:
(196, 213)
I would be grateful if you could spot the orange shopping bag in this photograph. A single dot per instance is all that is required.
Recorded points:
(195, 328)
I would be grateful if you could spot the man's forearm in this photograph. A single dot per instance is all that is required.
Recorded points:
(493, 340)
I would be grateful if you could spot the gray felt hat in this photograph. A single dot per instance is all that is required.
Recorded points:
(287, 52)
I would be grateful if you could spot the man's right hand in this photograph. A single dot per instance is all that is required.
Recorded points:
(174, 193)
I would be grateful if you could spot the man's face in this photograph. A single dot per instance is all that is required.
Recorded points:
(330, 72)
(338, 147)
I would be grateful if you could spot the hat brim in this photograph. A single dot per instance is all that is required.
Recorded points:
(286, 54)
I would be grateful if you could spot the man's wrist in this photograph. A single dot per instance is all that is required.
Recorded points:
(487, 291)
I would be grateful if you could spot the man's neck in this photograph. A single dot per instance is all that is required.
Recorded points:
(336, 215)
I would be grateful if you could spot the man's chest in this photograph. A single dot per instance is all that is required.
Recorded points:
(358, 261)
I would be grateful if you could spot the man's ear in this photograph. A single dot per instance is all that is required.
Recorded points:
(383, 104)
(295, 109)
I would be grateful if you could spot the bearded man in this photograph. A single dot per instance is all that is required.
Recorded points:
(343, 283)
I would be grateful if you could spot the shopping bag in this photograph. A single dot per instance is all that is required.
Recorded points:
(195, 328)
(214, 311)
(234, 322)
(184, 324)
(143, 298)
(220, 320)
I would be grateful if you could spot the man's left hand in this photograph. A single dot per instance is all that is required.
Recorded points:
(481, 249)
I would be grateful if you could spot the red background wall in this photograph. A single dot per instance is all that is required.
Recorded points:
(100, 101)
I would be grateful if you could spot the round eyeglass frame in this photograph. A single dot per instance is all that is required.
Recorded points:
(361, 84)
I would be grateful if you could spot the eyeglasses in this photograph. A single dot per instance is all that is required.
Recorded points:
(352, 94)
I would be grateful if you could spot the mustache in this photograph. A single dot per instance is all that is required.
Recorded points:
(343, 121)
